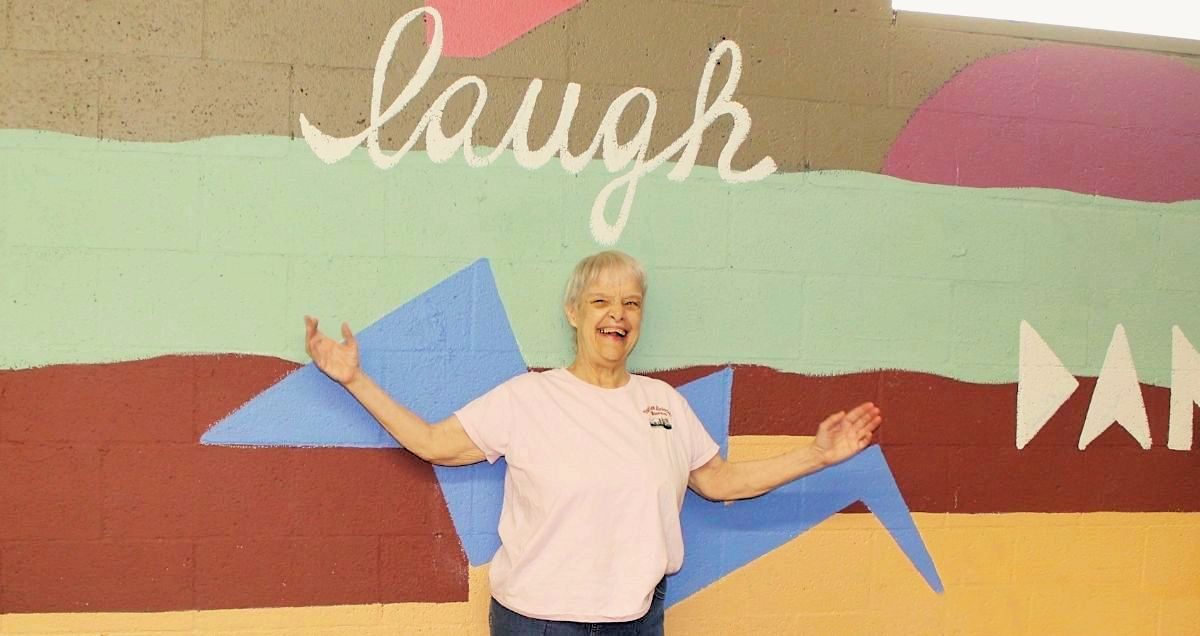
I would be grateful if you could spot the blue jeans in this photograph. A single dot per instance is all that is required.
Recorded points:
(505, 622)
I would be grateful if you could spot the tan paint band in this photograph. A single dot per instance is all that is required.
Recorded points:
(825, 89)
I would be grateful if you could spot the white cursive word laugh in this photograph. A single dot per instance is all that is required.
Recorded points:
(617, 156)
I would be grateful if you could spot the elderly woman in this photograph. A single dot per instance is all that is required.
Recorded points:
(598, 463)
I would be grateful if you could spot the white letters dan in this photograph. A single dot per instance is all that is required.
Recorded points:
(442, 146)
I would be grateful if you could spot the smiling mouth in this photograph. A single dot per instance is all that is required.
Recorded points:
(613, 332)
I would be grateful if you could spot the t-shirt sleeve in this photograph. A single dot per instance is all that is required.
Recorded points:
(701, 446)
(488, 421)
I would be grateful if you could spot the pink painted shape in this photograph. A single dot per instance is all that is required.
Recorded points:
(1098, 121)
(476, 28)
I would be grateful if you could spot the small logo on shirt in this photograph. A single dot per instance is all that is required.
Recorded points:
(658, 416)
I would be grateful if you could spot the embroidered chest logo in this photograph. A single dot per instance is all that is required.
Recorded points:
(658, 416)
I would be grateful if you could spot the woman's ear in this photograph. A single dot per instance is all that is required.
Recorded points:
(570, 312)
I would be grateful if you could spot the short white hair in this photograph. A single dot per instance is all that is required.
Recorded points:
(590, 268)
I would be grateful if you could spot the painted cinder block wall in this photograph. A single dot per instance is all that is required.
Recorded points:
(989, 231)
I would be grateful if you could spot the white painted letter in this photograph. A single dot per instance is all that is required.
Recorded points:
(1118, 396)
(1043, 384)
(704, 117)
(518, 131)
(617, 156)
(332, 149)
(1185, 390)
(437, 144)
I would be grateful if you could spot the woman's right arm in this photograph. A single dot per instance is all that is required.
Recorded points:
(445, 443)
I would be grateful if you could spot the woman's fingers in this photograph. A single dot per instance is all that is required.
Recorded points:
(860, 409)
(347, 335)
(316, 342)
(869, 430)
(864, 442)
(864, 416)
(864, 410)
(832, 421)
(310, 331)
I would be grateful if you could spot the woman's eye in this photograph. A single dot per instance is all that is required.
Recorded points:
(632, 303)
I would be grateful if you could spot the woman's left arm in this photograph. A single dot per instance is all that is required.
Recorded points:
(838, 438)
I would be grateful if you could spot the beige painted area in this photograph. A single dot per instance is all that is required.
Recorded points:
(137, 27)
(829, 83)
(58, 92)
(171, 99)
(346, 33)
(337, 101)
(4, 22)
(850, 137)
(871, 9)
(787, 121)
(1020, 573)
(818, 59)
(1049, 32)
(924, 59)
(636, 48)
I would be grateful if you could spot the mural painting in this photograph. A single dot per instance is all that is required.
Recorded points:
(991, 237)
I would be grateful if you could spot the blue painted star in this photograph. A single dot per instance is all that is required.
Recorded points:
(453, 343)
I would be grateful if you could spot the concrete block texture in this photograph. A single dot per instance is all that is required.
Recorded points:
(1173, 560)
(831, 52)
(793, 8)
(37, 572)
(870, 9)
(819, 59)
(277, 578)
(171, 99)
(58, 505)
(923, 59)
(779, 129)
(638, 43)
(136, 27)
(4, 22)
(1179, 615)
(91, 623)
(850, 137)
(1086, 554)
(336, 34)
(135, 235)
(96, 412)
(338, 100)
(544, 52)
(50, 91)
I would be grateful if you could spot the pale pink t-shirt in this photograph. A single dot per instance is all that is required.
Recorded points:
(595, 481)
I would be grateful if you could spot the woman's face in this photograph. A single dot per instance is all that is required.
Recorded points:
(607, 319)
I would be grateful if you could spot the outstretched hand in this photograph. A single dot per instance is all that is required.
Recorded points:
(843, 434)
(339, 360)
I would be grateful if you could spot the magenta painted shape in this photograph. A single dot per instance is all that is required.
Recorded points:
(1117, 123)
(476, 28)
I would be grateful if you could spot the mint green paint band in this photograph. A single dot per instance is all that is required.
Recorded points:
(118, 250)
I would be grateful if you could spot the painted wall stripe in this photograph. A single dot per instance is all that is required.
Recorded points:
(953, 271)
